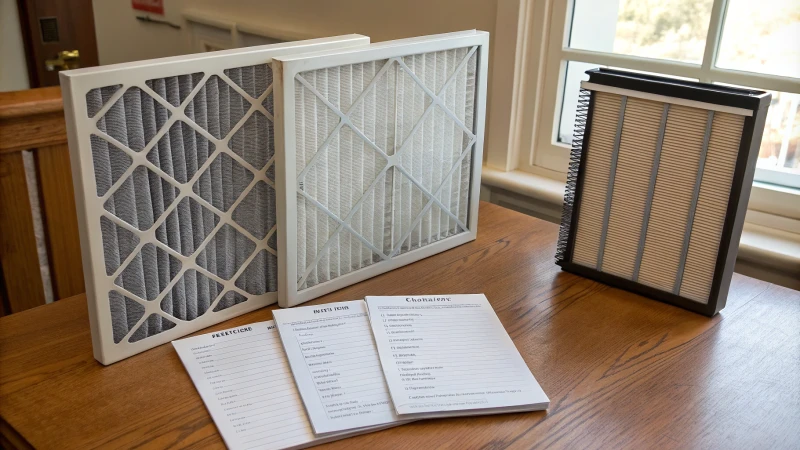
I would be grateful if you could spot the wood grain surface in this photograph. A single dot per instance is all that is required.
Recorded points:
(31, 118)
(34, 120)
(23, 285)
(30, 102)
(60, 220)
(621, 371)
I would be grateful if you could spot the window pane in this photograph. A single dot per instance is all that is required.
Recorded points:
(663, 29)
(762, 36)
(576, 72)
(779, 146)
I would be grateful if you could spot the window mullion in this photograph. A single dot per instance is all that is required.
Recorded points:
(675, 68)
(713, 38)
(545, 112)
(756, 80)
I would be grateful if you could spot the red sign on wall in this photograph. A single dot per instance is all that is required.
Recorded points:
(153, 6)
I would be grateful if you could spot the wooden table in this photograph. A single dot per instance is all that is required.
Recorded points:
(620, 370)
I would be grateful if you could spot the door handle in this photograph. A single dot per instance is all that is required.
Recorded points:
(64, 60)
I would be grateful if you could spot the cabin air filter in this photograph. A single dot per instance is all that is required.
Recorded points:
(173, 165)
(382, 157)
(659, 179)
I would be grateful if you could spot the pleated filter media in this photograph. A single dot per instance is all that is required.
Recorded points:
(658, 185)
(382, 157)
(174, 166)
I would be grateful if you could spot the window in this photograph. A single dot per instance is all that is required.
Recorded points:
(738, 42)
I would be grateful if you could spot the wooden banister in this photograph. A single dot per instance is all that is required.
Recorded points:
(30, 102)
(34, 120)
(30, 119)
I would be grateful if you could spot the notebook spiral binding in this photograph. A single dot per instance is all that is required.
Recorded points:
(581, 116)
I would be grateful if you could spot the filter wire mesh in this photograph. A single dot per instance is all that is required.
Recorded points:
(236, 162)
(409, 129)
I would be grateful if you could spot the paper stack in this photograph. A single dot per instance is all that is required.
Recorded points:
(325, 372)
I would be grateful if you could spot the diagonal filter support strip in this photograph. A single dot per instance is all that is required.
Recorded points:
(433, 199)
(148, 237)
(345, 120)
(342, 225)
(386, 144)
(436, 98)
(175, 162)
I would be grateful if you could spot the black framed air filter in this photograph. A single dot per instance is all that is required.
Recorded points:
(658, 185)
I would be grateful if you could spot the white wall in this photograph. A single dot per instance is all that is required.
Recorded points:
(13, 69)
(381, 20)
(120, 37)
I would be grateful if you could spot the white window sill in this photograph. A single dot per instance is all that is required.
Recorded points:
(771, 242)
(777, 249)
(538, 187)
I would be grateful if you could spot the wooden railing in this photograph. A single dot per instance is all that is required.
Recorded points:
(34, 120)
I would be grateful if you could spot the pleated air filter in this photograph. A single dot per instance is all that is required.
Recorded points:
(382, 158)
(173, 164)
(658, 185)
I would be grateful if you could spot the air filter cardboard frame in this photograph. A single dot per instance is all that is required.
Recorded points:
(75, 85)
(285, 69)
(749, 103)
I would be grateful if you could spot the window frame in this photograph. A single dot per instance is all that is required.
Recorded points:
(529, 107)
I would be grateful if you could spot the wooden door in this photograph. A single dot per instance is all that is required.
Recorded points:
(50, 27)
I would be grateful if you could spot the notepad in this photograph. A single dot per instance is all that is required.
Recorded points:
(446, 356)
(326, 372)
(245, 382)
(335, 364)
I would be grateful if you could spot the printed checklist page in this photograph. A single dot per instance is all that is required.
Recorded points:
(247, 386)
(450, 355)
(335, 363)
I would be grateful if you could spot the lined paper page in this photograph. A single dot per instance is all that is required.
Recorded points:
(450, 355)
(247, 386)
(335, 364)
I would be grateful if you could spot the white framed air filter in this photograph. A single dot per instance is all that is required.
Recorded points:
(382, 157)
(173, 165)
(659, 180)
